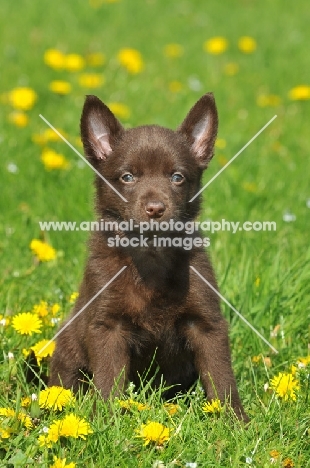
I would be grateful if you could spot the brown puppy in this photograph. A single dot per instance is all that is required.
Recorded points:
(157, 305)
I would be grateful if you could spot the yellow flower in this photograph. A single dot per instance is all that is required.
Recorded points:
(54, 58)
(171, 408)
(220, 143)
(95, 59)
(18, 118)
(257, 281)
(22, 417)
(55, 308)
(41, 309)
(154, 432)
(53, 160)
(128, 404)
(265, 100)
(91, 80)
(56, 398)
(42, 250)
(47, 135)
(22, 98)
(231, 68)
(25, 402)
(173, 50)
(60, 87)
(288, 463)
(274, 454)
(303, 361)
(247, 44)
(26, 323)
(61, 463)
(213, 406)
(175, 86)
(256, 359)
(120, 110)
(131, 59)
(5, 433)
(74, 62)
(215, 45)
(70, 426)
(73, 297)
(42, 351)
(285, 386)
(299, 93)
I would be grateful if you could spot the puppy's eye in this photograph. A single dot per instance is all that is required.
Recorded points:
(127, 178)
(177, 178)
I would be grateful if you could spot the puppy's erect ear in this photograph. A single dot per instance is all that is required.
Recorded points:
(99, 129)
(200, 129)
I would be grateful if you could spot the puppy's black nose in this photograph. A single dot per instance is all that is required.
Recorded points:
(155, 209)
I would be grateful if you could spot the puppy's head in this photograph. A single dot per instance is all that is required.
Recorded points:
(155, 169)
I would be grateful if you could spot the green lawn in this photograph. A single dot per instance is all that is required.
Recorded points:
(264, 275)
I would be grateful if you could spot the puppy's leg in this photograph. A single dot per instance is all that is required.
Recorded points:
(67, 361)
(213, 363)
(109, 359)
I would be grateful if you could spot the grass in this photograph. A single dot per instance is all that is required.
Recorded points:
(265, 275)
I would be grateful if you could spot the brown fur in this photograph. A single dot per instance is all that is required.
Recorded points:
(158, 304)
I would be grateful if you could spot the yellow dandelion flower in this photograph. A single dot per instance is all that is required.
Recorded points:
(43, 251)
(213, 406)
(47, 135)
(173, 50)
(74, 62)
(274, 454)
(256, 359)
(303, 361)
(60, 87)
(41, 309)
(285, 386)
(220, 143)
(247, 44)
(26, 402)
(129, 404)
(95, 59)
(73, 297)
(268, 100)
(171, 408)
(175, 86)
(61, 463)
(26, 323)
(257, 281)
(43, 349)
(288, 463)
(22, 417)
(55, 397)
(54, 58)
(5, 433)
(120, 110)
(22, 98)
(154, 432)
(131, 59)
(231, 68)
(55, 309)
(216, 45)
(91, 80)
(299, 93)
(53, 160)
(18, 118)
(70, 426)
